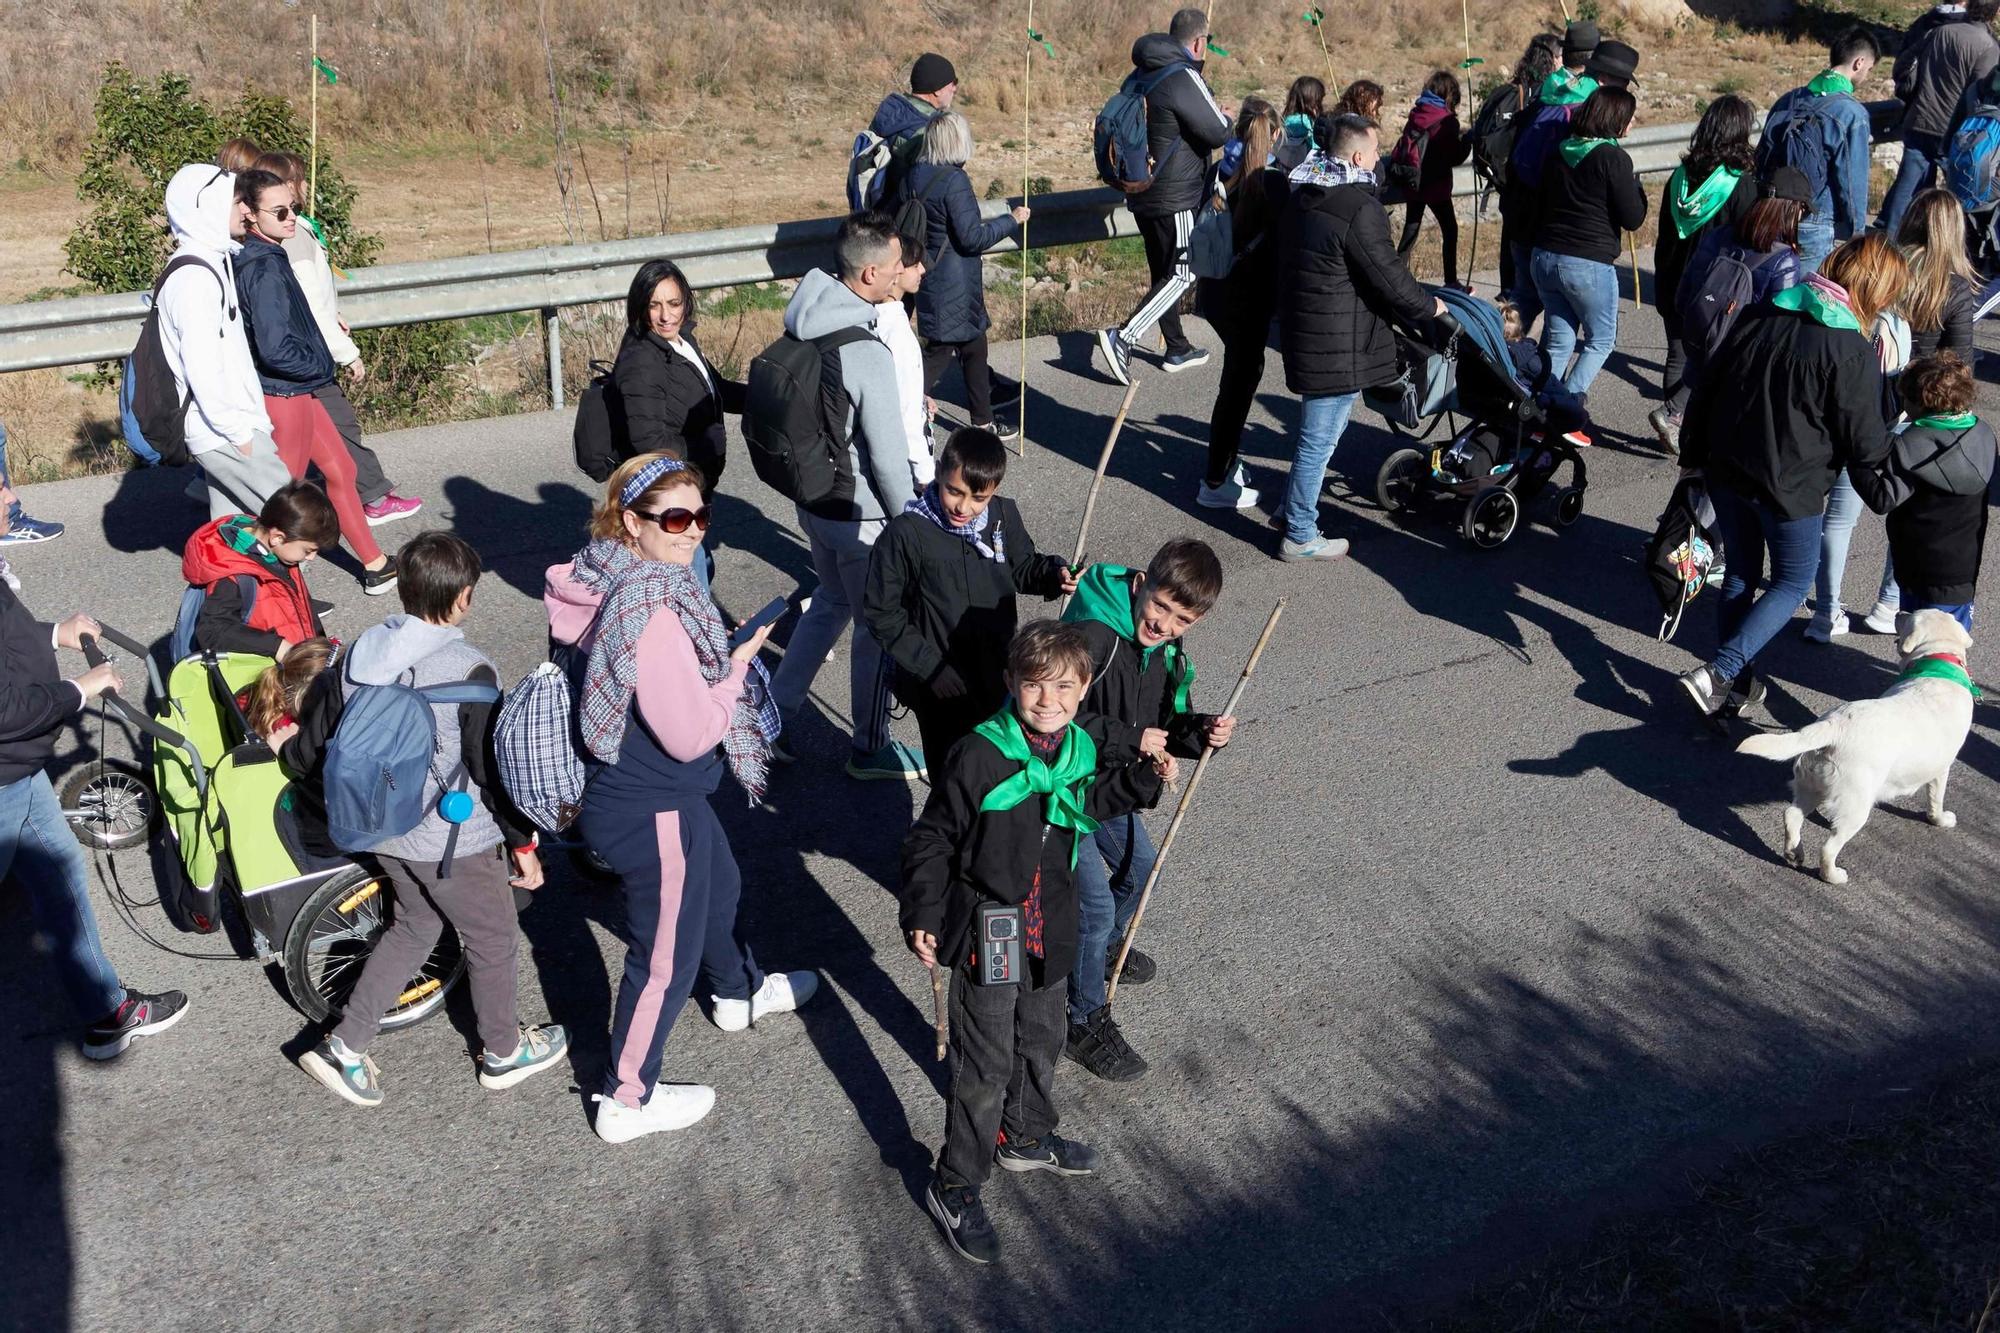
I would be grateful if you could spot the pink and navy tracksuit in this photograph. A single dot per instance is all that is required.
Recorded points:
(648, 816)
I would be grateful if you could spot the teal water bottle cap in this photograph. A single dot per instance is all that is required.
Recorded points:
(456, 807)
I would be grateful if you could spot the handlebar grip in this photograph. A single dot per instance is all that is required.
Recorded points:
(91, 652)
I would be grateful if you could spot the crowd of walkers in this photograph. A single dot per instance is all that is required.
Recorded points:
(1836, 374)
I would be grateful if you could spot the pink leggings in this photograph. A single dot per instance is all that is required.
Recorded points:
(306, 435)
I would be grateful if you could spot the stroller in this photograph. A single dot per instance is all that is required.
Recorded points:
(226, 841)
(1510, 451)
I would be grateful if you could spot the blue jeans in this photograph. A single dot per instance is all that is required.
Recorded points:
(1527, 299)
(39, 853)
(1816, 242)
(1959, 611)
(1923, 154)
(1746, 622)
(1322, 419)
(1111, 868)
(14, 510)
(1843, 511)
(1581, 296)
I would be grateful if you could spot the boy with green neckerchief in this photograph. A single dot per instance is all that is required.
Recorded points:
(1004, 825)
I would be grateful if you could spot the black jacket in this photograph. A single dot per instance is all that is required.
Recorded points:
(1937, 480)
(951, 305)
(1342, 282)
(1132, 695)
(1183, 126)
(1671, 253)
(1585, 210)
(932, 600)
(658, 400)
(1785, 406)
(1956, 333)
(291, 356)
(957, 857)
(1246, 300)
(35, 700)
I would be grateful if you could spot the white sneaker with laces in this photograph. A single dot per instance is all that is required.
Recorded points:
(1231, 494)
(1825, 629)
(1882, 620)
(781, 993)
(672, 1106)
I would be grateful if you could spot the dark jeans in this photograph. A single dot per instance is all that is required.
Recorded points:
(1244, 325)
(1005, 1041)
(1527, 299)
(1447, 220)
(1166, 241)
(369, 482)
(1923, 154)
(971, 358)
(1675, 386)
(1745, 622)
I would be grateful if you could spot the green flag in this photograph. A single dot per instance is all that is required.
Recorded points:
(1470, 61)
(1314, 15)
(1034, 36)
(325, 70)
(1215, 50)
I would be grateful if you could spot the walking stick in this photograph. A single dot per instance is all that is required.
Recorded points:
(937, 1007)
(1187, 799)
(1027, 94)
(312, 138)
(1096, 482)
(1633, 237)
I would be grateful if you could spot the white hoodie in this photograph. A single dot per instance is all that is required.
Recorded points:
(315, 274)
(892, 326)
(201, 329)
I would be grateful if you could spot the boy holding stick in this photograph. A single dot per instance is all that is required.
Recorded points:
(1003, 828)
(1141, 683)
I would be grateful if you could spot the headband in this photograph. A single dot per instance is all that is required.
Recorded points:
(644, 479)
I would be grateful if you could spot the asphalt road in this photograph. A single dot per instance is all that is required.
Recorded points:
(1474, 936)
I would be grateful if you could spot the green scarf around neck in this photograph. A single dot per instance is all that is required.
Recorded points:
(1062, 783)
(1575, 150)
(1104, 594)
(1562, 88)
(1692, 210)
(1830, 81)
(1817, 306)
(1962, 421)
(1936, 668)
(239, 534)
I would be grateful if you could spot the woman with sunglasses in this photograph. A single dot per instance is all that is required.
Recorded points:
(294, 364)
(663, 690)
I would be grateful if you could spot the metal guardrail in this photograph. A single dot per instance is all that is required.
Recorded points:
(84, 330)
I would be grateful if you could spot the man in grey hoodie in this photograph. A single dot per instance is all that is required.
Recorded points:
(871, 262)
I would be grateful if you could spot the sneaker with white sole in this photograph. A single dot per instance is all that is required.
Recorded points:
(141, 1015)
(24, 531)
(1231, 494)
(962, 1217)
(349, 1073)
(390, 508)
(1175, 362)
(894, 762)
(538, 1049)
(1051, 1152)
(1746, 693)
(1577, 439)
(1882, 620)
(672, 1106)
(781, 993)
(1117, 355)
(1825, 629)
(1708, 694)
(381, 579)
(1668, 427)
(1319, 548)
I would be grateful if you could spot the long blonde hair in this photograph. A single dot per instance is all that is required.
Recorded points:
(278, 693)
(1933, 242)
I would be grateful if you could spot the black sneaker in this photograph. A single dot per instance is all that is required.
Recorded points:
(1117, 355)
(962, 1217)
(1702, 687)
(1746, 693)
(1101, 1048)
(1176, 362)
(321, 608)
(375, 582)
(1139, 968)
(140, 1016)
(1050, 1153)
(1002, 430)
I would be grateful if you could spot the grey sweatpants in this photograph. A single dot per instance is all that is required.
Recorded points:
(368, 479)
(479, 903)
(240, 485)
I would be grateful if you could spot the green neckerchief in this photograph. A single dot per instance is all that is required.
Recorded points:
(1575, 150)
(1936, 668)
(312, 225)
(1104, 594)
(1063, 784)
(1691, 211)
(1815, 305)
(1830, 81)
(1563, 88)
(239, 535)
(1963, 421)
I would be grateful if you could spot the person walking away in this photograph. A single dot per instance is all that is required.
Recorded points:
(1303, 104)
(202, 337)
(1342, 283)
(666, 703)
(951, 304)
(1433, 124)
(461, 871)
(901, 117)
(1241, 306)
(1822, 129)
(1183, 127)
(669, 398)
(1504, 113)
(1713, 188)
(1950, 49)
(1363, 98)
(1764, 241)
(871, 263)
(1537, 132)
(293, 364)
(1794, 397)
(21, 530)
(1591, 197)
(306, 248)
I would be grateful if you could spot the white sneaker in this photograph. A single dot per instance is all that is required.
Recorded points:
(1882, 620)
(781, 993)
(672, 1106)
(1823, 629)
(1231, 494)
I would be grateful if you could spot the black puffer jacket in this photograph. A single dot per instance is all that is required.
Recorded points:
(951, 305)
(285, 342)
(35, 700)
(1342, 281)
(660, 401)
(1955, 334)
(1183, 126)
(1937, 475)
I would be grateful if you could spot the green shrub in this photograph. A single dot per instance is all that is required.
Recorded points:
(413, 373)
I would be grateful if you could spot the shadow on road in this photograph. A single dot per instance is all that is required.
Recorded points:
(36, 1278)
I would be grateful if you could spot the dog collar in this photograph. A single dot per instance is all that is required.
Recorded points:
(1940, 666)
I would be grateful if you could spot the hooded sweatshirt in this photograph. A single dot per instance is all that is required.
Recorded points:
(1937, 474)
(201, 327)
(315, 274)
(878, 444)
(1132, 687)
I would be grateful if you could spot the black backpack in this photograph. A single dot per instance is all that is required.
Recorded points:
(795, 421)
(600, 444)
(1680, 553)
(1711, 305)
(158, 406)
(1492, 132)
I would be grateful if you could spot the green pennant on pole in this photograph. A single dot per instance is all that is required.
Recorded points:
(1470, 61)
(1034, 36)
(325, 70)
(1314, 15)
(1215, 50)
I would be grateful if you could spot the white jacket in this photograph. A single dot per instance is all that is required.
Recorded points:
(892, 326)
(201, 329)
(315, 275)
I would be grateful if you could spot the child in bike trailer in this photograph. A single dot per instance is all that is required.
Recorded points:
(269, 553)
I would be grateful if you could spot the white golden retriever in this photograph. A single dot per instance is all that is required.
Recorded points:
(1875, 750)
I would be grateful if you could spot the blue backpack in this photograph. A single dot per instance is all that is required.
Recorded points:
(1120, 141)
(1799, 140)
(383, 748)
(180, 645)
(1533, 145)
(1970, 162)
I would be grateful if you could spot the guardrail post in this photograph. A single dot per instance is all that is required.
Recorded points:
(552, 318)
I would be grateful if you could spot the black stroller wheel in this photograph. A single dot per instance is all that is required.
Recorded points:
(1491, 516)
(1400, 481)
(331, 938)
(1568, 506)
(109, 805)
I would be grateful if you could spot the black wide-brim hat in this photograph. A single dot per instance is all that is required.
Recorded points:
(1614, 63)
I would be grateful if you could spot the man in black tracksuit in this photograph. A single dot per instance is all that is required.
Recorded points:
(1183, 126)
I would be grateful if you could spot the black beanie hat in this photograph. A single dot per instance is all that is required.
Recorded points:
(1579, 40)
(931, 72)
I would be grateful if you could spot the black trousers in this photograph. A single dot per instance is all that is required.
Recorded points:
(971, 358)
(1447, 220)
(1166, 241)
(1244, 325)
(1005, 1041)
(368, 478)
(943, 723)
(1675, 383)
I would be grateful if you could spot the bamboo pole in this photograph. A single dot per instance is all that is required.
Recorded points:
(1027, 101)
(1187, 800)
(312, 149)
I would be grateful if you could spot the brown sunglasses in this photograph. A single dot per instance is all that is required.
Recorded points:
(677, 520)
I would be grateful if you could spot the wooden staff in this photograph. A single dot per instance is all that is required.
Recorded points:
(1633, 238)
(1027, 98)
(1187, 800)
(312, 141)
(1097, 481)
(937, 1007)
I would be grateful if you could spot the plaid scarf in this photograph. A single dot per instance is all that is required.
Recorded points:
(984, 533)
(633, 588)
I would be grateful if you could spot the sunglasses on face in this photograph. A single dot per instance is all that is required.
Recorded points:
(281, 212)
(677, 521)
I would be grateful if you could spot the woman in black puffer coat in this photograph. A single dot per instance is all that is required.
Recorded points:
(951, 305)
(667, 396)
